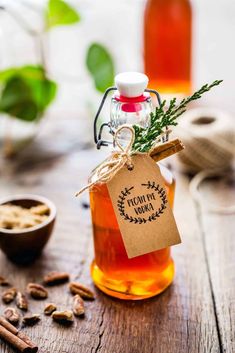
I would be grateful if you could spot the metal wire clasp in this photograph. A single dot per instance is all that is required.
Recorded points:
(98, 135)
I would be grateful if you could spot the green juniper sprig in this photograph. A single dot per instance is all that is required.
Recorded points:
(162, 118)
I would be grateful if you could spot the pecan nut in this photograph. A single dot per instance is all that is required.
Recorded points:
(9, 295)
(21, 301)
(78, 306)
(49, 308)
(63, 316)
(12, 315)
(83, 291)
(31, 320)
(55, 277)
(37, 291)
(4, 282)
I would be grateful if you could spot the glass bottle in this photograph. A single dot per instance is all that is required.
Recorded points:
(112, 271)
(167, 45)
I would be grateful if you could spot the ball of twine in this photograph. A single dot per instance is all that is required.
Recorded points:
(209, 139)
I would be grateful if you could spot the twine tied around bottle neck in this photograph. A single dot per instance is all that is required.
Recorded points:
(107, 170)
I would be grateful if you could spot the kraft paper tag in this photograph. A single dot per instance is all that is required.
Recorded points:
(142, 209)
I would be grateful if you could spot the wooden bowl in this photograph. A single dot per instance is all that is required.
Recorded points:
(23, 246)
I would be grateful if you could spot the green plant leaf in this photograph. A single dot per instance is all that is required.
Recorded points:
(30, 71)
(17, 101)
(26, 92)
(60, 13)
(43, 90)
(100, 64)
(7, 74)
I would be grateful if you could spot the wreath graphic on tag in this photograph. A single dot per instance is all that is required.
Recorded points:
(139, 220)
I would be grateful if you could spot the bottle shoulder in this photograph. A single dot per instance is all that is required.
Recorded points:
(166, 174)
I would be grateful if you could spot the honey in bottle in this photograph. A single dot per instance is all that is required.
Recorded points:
(167, 45)
(112, 271)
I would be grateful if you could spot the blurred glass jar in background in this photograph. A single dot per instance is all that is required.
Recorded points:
(167, 45)
(19, 60)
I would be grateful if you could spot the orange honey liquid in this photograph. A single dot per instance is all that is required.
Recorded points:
(167, 45)
(137, 278)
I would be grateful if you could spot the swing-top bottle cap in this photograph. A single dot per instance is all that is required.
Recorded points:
(131, 84)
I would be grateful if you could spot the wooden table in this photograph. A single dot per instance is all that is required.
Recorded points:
(195, 314)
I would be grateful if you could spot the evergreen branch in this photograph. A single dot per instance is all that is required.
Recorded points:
(162, 118)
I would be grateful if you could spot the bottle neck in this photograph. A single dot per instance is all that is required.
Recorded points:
(130, 111)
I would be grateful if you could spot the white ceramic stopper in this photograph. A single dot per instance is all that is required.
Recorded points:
(131, 84)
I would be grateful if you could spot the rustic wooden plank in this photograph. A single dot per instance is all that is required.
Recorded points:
(179, 320)
(219, 242)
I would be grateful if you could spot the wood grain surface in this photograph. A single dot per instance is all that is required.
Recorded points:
(195, 314)
(219, 243)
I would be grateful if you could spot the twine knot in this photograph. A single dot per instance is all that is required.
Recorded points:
(106, 171)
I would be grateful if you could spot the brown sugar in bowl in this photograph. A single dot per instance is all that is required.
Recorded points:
(24, 245)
